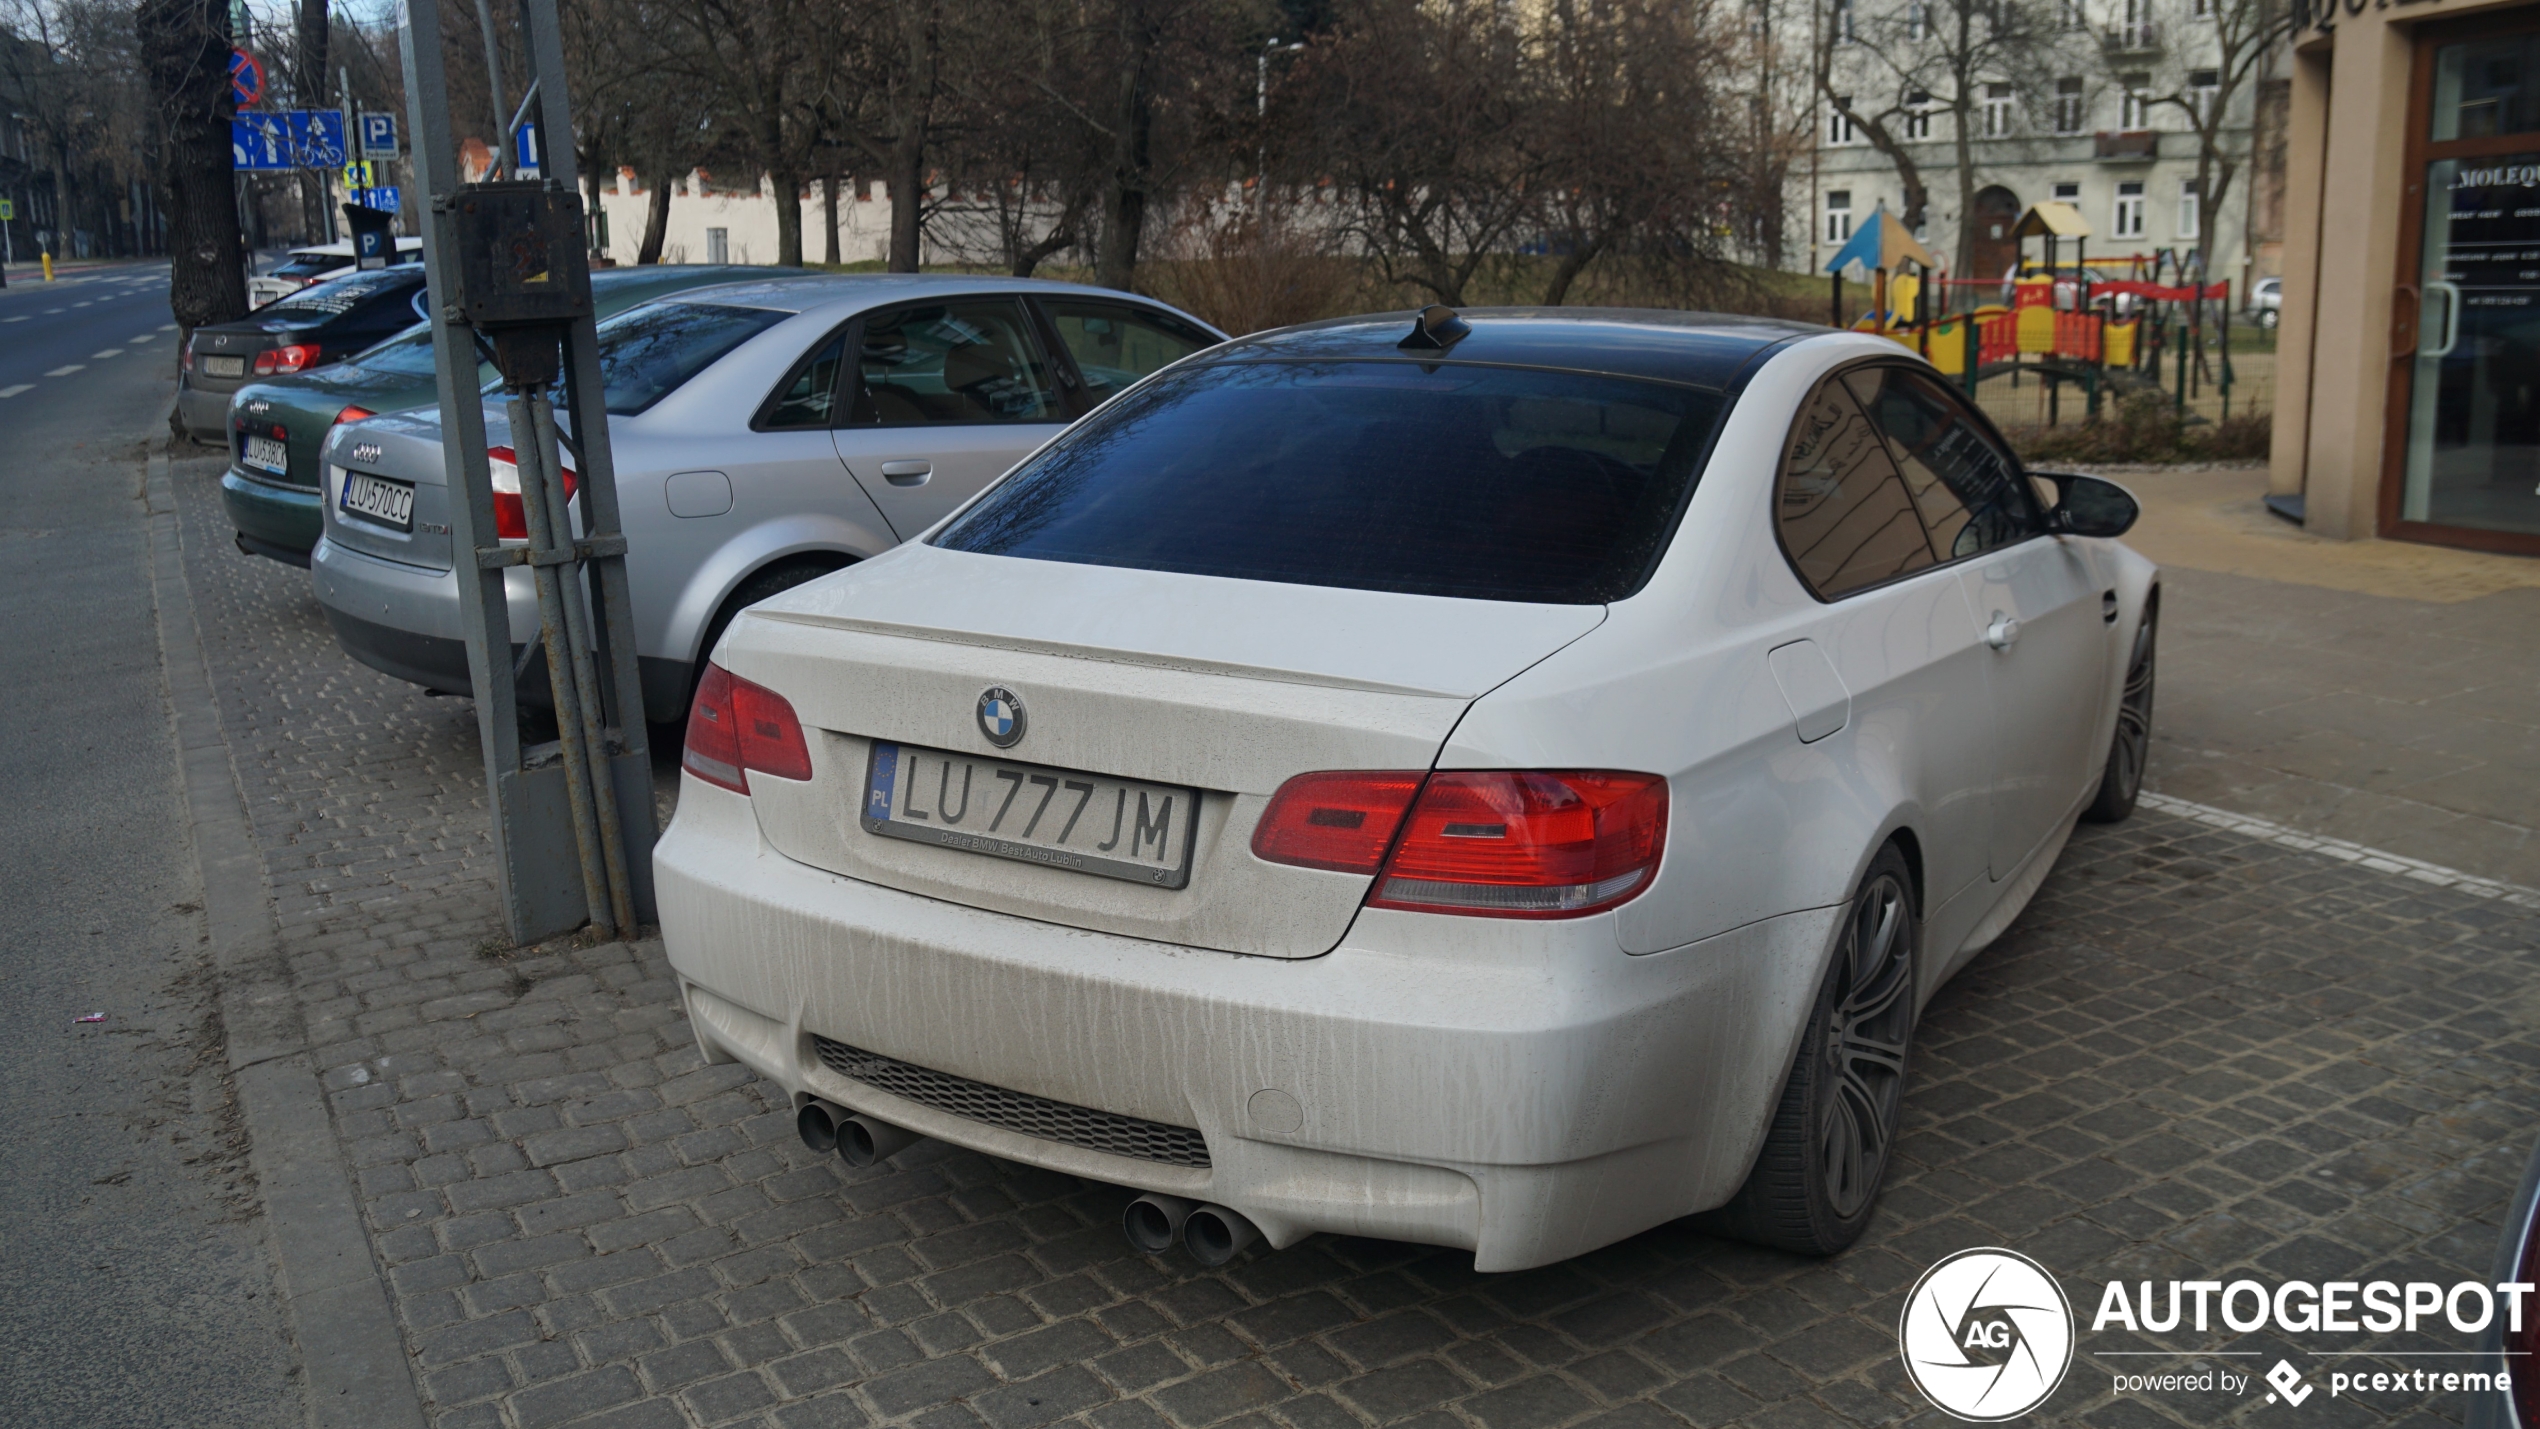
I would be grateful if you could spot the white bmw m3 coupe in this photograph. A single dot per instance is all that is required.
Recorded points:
(1501, 781)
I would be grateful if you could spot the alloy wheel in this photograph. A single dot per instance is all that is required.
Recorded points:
(1865, 1037)
(2134, 716)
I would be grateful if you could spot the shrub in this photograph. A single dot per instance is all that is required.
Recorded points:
(2146, 428)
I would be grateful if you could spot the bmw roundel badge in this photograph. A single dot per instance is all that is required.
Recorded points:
(1001, 716)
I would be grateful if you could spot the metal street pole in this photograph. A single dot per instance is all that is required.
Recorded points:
(573, 820)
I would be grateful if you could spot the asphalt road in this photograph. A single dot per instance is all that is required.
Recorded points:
(140, 1289)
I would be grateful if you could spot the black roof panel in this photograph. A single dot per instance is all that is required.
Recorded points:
(1701, 349)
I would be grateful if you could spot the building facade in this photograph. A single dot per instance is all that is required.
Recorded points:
(2093, 102)
(2409, 357)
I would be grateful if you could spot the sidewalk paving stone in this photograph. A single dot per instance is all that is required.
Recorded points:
(2200, 1052)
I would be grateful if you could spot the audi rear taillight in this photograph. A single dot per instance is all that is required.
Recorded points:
(353, 414)
(290, 357)
(1488, 843)
(737, 728)
(511, 520)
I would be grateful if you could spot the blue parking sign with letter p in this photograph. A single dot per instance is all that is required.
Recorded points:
(379, 136)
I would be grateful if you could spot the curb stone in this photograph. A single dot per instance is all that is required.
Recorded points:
(354, 1373)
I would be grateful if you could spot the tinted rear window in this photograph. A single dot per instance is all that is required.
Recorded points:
(647, 352)
(1488, 483)
(343, 294)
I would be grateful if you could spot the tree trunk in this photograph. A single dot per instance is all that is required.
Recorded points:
(829, 218)
(1124, 209)
(656, 219)
(185, 52)
(908, 195)
(788, 187)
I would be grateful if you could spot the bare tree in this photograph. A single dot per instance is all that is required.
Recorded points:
(185, 48)
(2245, 32)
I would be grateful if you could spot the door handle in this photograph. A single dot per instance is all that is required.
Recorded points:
(907, 473)
(2108, 606)
(2002, 631)
(2451, 318)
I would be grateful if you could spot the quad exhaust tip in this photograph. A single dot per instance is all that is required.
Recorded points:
(1213, 1234)
(858, 1139)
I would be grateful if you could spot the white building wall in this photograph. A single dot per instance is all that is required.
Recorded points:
(747, 222)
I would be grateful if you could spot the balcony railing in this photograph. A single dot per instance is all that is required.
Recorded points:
(2139, 38)
(2134, 146)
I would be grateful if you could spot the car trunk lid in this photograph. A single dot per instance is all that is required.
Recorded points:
(405, 447)
(1228, 687)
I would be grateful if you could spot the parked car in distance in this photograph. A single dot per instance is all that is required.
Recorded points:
(276, 425)
(763, 433)
(2511, 1352)
(312, 328)
(305, 267)
(1503, 782)
(2266, 301)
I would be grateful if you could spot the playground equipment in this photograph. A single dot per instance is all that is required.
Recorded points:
(2059, 325)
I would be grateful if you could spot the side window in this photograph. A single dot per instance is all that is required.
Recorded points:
(1845, 515)
(963, 362)
(1966, 488)
(1114, 345)
(808, 397)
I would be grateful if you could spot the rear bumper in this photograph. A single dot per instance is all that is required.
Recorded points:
(403, 620)
(270, 515)
(205, 413)
(1529, 1103)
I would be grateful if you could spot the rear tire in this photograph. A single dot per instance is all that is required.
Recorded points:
(2130, 747)
(769, 580)
(1815, 1183)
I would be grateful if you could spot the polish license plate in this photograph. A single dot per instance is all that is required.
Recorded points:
(224, 367)
(1092, 823)
(267, 454)
(376, 498)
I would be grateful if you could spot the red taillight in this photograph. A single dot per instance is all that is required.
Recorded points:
(736, 727)
(353, 414)
(1493, 843)
(291, 357)
(1342, 820)
(185, 358)
(511, 521)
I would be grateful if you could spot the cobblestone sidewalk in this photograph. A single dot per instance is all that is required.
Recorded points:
(2200, 1054)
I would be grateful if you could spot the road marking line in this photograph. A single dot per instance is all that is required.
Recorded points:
(18, 319)
(109, 352)
(145, 337)
(80, 305)
(167, 327)
(48, 312)
(67, 371)
(13, 391)
(2378, 860)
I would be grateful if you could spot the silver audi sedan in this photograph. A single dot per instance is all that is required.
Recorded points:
(765, 433)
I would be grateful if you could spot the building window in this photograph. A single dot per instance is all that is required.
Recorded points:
(2137, 32)
(718, 245)
(2134, 111)
(2068, 15)
(2066, 191)
(2202, 86)
(1918, 115)
(1838, 215)
(1839, 127)
(1997, 110)
(2201, 9)
(2068, 105)
(1843, 31)
(2129, 210)
(2190, 209)
(1917, 20)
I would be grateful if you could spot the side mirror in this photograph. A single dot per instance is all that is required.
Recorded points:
(2090, 505)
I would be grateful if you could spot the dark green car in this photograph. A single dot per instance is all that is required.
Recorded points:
(276, 426)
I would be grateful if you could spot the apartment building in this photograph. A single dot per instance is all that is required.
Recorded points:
(2093, 102)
